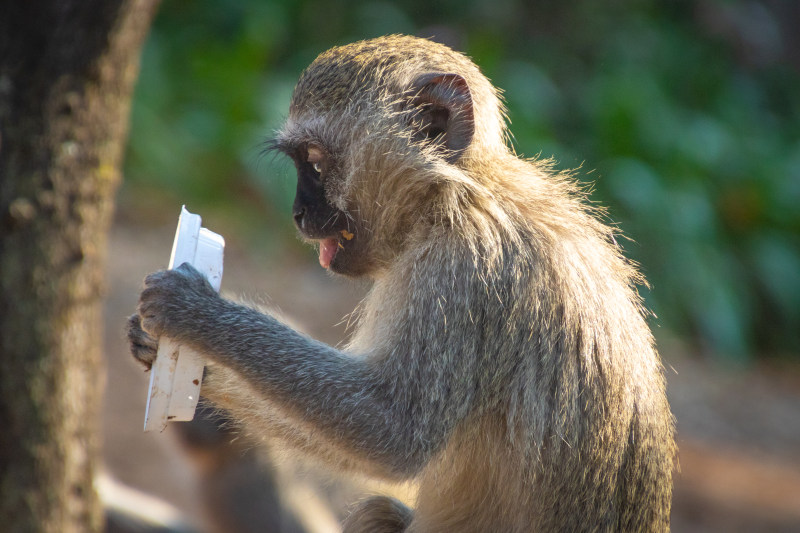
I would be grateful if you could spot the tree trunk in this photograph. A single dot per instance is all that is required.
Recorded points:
(67, 69)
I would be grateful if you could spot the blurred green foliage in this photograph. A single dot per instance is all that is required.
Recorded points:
(685, 115)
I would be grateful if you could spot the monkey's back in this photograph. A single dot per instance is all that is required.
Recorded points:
(567, 426)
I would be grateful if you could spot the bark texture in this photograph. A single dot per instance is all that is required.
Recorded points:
(67, 70)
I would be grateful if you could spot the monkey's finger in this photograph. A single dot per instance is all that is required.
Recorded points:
(143, 347)
(153, 311)
(140, 336)
(188, 270)
(154, 279)
(152, 325)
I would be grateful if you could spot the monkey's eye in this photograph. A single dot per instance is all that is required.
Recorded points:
(315, 158)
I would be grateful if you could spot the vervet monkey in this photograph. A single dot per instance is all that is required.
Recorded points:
(501, 358)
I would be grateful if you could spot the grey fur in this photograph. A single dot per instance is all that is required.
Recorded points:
(502, 357)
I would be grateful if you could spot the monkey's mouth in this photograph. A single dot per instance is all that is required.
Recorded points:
(327, 250)
(329, 247)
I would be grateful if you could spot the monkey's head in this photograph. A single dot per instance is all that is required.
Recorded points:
(379, 130)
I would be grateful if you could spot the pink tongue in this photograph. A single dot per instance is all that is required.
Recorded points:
(327, 249)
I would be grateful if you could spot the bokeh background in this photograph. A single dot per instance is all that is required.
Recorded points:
(684, 116)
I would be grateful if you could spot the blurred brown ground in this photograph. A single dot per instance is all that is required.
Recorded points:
(738, 429)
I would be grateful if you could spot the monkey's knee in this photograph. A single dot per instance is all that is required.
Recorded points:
(378, 514)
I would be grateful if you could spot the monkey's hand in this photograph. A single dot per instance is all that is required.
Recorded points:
(173, 302)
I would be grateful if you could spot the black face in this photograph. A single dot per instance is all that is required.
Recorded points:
(318, 220)
(313, 215)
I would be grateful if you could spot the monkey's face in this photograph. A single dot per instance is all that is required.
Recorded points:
(377, 134)
(318, 220)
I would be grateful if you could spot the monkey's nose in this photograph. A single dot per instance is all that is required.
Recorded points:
(299, 216)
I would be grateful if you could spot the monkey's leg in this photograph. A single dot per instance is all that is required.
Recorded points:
(378, 514)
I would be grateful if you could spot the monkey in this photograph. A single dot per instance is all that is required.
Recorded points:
(502, 356)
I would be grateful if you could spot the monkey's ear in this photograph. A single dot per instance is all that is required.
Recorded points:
(442, 112)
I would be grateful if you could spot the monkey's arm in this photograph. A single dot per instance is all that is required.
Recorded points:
(264, 419)
(394, 407)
